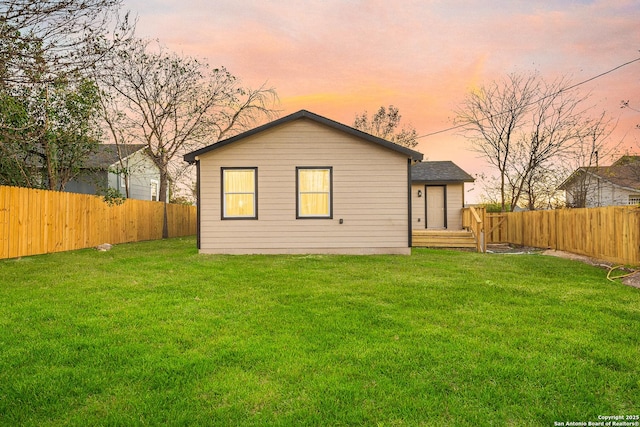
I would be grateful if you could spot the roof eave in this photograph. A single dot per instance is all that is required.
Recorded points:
(440, 181)
(125, 158)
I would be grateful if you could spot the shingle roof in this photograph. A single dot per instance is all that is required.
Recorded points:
(625, 172)
(107, 154)
(442, 172)
(304, 114)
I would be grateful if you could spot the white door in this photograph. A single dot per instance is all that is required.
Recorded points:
(436, 207)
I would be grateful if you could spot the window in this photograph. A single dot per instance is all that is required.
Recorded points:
(154, 190)
(634, 200)
(239, 189)
(314, 188)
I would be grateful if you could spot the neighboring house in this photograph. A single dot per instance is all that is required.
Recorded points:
(105, 169)
(437, 192)
(615, 185)
(304, 184)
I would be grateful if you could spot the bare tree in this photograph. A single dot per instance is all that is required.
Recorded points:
(69, 36)
(626, 104)
(175, 104)
(556, 124)
(593, 145)
(636, 167)
(491, 118)
(528, 128)
(384, 124)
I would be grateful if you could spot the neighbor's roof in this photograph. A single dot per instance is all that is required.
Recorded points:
(625, 172)
(107, 154)
(304, 114)
(441, 172)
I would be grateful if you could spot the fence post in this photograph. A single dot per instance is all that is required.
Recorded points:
(484, 230)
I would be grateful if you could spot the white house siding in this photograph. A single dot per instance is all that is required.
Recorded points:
(609, 195)
(601, 193)
(455, 203)
(369, 194)
(418, 216)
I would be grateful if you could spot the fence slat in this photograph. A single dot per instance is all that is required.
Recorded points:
(35, 222)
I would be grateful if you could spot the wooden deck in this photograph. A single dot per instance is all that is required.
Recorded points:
(443, 239)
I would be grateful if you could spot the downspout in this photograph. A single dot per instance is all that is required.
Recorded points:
(446, 209)
(198, 204)
(409, 234)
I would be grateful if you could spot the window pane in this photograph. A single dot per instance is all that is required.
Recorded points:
(239, 205)
(314, 204)
(239, 181)
(314, 180)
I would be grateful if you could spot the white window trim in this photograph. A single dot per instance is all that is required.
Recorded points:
(157, 183)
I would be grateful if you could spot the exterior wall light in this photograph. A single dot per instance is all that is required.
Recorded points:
(419, 193)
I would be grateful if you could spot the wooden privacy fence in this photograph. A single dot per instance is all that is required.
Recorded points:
(610, 233)
(38, 221)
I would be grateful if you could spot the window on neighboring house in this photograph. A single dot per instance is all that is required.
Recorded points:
(153, 184)
(239, 189)
(634, 200)
(314, 188)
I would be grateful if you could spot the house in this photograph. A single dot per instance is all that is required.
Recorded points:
(615, 185)
(304, 184)
(106, 169)
(437, 192)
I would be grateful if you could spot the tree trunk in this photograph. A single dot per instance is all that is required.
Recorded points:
(503, 208)
(164, 184)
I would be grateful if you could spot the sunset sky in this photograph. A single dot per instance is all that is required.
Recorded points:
(338, 58)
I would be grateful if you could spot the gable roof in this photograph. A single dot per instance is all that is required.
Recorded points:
(107, 154)
(442, 171)
(307, 115)
(624, 173)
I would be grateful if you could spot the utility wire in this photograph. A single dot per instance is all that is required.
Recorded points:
(538, 100)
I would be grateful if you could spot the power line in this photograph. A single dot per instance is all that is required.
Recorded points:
(538, 100)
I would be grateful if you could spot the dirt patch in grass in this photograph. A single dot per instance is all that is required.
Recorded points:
(632, 277)
(507, 248)
(633, 280)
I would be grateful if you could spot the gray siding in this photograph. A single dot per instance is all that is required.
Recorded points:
(369, 194)
(88, 182)
(142, 171)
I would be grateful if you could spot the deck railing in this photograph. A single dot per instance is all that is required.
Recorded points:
(473, 219)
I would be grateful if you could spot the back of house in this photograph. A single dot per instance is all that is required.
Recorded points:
(304, 184)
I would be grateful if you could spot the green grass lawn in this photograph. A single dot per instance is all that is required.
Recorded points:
(154, 334)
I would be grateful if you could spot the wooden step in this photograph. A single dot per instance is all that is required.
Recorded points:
(443, 239)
